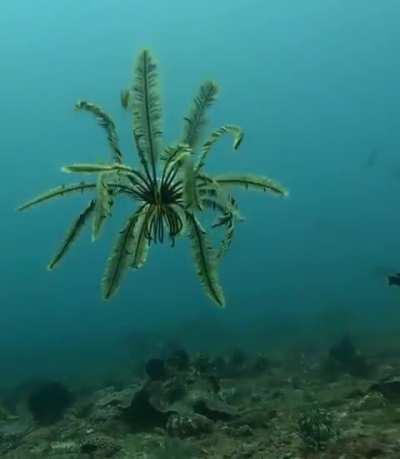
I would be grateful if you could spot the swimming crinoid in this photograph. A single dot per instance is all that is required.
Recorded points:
(169, 184)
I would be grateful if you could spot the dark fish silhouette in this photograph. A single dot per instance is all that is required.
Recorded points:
(394, 279)
(382, 271)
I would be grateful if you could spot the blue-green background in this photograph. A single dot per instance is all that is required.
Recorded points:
(315, 85)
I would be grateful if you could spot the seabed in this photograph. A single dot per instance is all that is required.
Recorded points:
(337, 404)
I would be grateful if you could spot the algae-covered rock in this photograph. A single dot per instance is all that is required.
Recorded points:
(255, 418)
(99, 445)
(152, 405)
(64, 447)
(109, 404)
(188, 426)
(317, 428)
(241, 432)
(184, 394)
(371, 401)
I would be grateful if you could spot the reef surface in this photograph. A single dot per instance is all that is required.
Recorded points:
(338, 405)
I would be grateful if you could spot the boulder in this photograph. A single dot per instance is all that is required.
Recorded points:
(188, 426)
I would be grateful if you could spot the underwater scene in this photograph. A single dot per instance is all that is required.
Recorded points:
(200, 229)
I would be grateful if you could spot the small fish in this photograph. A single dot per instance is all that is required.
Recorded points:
(394, 279)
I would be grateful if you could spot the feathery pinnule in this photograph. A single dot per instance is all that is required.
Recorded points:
(169, 184)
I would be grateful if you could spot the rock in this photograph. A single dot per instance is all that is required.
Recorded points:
(244, 431)
(202, 363)
(259, 418)
(188, 426)
(13, 431)
(6, 416)
(256, 397)
(175, 448)
(261, 364)
(317, 428)
(49, 401)
(231, 395)
(354, 393)
(147, 409)
(64, 447)
(11, 434)
(389, 388)
(178, 360)
(237, 364)
(155, 369)
(213, 408)
(219, 365)
(386, 371)
(277, 394)
(40, 434)
(185, 394)
(371, 401)
(98, 445)
(109, 404)
(368, 449)
(246, 450)
(344, 358)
